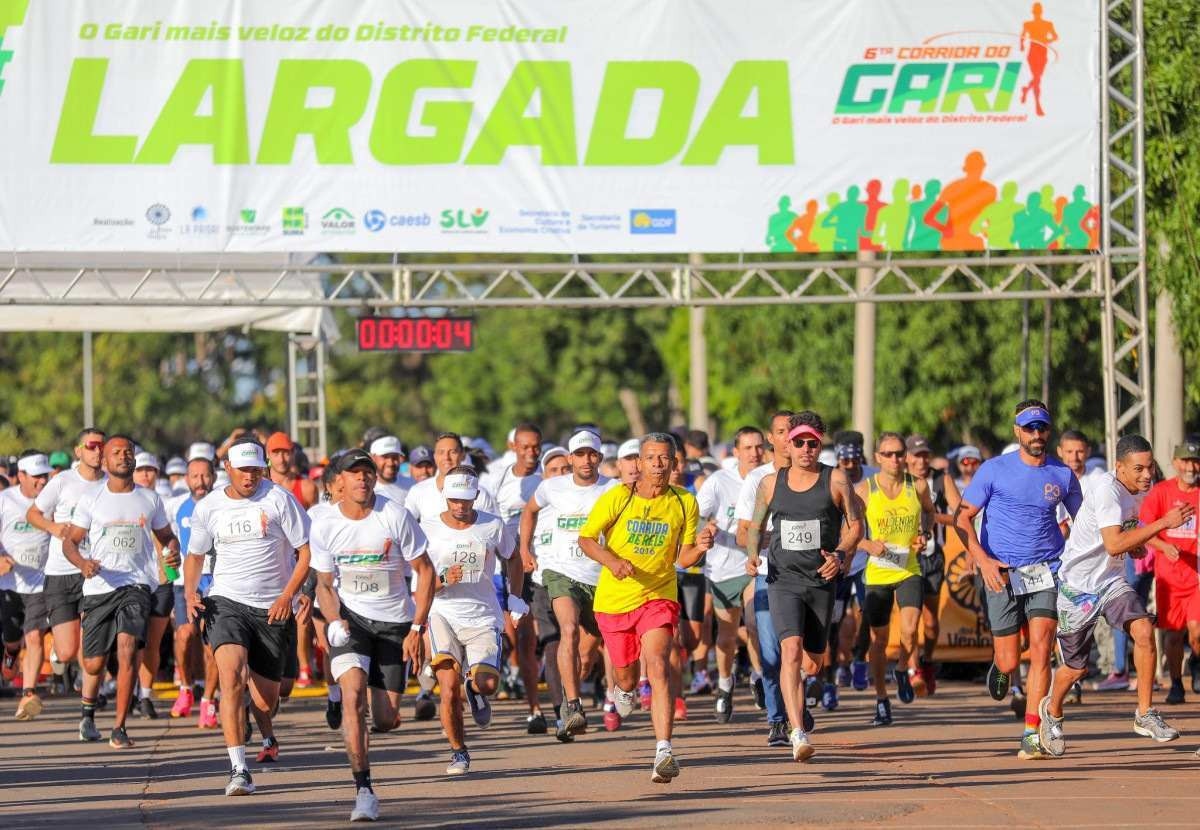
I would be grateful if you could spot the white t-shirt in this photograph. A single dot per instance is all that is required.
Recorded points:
(368, 558)
(1087, 481)
(396, 491)
(743, 509)
(511, 492)
(425, 501)
(255, 542)
(1086, 566)
(119, 526)
(718, 499)
(28, 546)
(472, 602)
(57, 502)
(181, 524)
(563, 508)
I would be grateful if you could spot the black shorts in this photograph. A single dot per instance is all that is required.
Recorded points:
(881, 598)
(162, 602)
(933, 573)
(543, 615)
(12, 615)
(123, 611)
(64, 597)
(291, 655)
(692, 590)
(36, 616)
(375, 647)
(227, 622)
(801, 611)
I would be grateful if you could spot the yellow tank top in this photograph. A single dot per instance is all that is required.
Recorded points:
(895, 522)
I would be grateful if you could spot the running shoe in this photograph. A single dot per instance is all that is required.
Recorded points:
(759, 692)
(802, 750)
(366, 806)
(843, 677)
(304, 680)
(858, 675)
(883, 713)
(701, 685)
(829, 697)
(623, 702)
(1050, 730)
(1175, 696)
(481, 710)
(904, 689)
(88, 731)
(1154, 727)
(1017, 703)
(930, 674)
(29, 708)
(806, 720)
(612, 721)
(101, 701)
(119, 738)
(333, 714)
(1074, 694)
(146, 710)
(460, 762)
(424, 707)
(208, 714)
(665, 767)
(998, 682)
(1115, 682)
(1032, 749)
(680, 709)
(575, 722)
(1194, 670)
(643, 694)
(777, 735)
(269, 754)
(916, 679)
(560, 732)
(240, 782)
(812, 692)
(9, 667)
(535, 724)
(183, 704)
(723, 706)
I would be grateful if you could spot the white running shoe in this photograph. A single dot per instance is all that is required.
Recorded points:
(366, 807)
(624, 701)
(665, 767)
(802, 750)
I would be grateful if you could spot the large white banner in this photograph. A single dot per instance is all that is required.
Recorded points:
(563, 126)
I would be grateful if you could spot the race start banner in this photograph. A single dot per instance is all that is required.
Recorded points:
(559, 126)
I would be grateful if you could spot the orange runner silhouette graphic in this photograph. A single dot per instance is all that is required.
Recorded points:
(1036, 37)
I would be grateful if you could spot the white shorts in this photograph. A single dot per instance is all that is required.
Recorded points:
(476, 649)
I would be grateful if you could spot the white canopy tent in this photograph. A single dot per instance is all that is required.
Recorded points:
(99, 292)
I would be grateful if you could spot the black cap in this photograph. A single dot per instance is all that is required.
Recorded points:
(352, 458)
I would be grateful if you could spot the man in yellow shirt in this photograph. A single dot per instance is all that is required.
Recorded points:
(647, 528)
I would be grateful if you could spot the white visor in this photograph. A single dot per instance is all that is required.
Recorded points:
(631, 447)
(460, 486)
(145, 459)
(246, 455)
(585, 439)
(387, 445)
(201, 450)
(34, 465)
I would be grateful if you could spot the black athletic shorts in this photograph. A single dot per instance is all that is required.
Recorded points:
(162, 602)
(543, 615)
(933, 573)
(123, 611)
(378, 644)
(802, 611)
(64, 597)
(692, 590)
(880, 598)
(36, 616)
(227, 622)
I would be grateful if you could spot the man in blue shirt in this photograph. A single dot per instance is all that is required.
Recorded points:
(1017, 550)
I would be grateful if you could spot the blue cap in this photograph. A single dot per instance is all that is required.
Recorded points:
(420, 454)
(1032, 415)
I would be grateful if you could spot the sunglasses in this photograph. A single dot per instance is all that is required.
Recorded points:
(92, 445)
(1036, 426)
(810, 443)
(892, 454)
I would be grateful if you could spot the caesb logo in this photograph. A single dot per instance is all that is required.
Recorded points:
(652, 220)
(463, 221)
(375, 220)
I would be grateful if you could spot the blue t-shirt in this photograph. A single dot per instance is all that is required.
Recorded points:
(1019, 504)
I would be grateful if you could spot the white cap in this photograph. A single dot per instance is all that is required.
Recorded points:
(201, 450)
(35, 465)
(176, 466)
(460, 486)
(387, 445)
(585, 439)
(631, 447)
(551, 453)
(145, 459)
(246, 455)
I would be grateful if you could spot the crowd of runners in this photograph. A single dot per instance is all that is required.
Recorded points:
(635, 575)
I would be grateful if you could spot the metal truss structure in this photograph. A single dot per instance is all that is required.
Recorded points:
(1115, 276)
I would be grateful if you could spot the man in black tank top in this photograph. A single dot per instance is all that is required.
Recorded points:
(817, 523)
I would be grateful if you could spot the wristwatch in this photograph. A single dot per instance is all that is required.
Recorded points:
(419, 627)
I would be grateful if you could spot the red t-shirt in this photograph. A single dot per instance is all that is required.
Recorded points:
(1161, 498)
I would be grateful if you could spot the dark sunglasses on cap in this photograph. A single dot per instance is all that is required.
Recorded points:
(810, 443)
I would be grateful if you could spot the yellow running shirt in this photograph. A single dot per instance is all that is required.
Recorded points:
(895, 522)
(648, 533)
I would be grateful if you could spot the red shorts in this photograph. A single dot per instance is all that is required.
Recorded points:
(622, 633)
(1176, 606)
